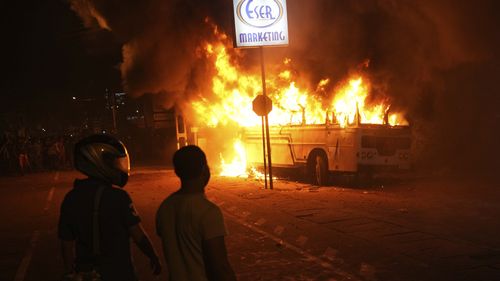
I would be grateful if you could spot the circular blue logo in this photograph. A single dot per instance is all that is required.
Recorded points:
(259, 13)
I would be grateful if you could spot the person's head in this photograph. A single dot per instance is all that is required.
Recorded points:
(190, 165)
(103, 157)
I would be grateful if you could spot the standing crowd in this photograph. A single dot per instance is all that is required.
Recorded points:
(20, 155)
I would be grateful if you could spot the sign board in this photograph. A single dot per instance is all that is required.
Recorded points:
(260, 23)
(262, 105)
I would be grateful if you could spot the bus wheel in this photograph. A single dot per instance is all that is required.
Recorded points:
(318, 169)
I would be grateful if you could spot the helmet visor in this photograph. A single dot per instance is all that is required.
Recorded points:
(123, 164)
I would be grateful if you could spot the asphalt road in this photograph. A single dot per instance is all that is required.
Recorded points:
(399, 230)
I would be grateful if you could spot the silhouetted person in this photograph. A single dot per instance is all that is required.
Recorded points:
(24, 161)
(36, 154)
(4, 154)
(98, 219)
(190, 226)
(61, 153)
(52, 154)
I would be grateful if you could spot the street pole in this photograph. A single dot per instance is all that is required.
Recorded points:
(113, 109)
(266, 118)
(264, 151)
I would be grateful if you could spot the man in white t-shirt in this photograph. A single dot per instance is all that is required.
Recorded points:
(190, 226)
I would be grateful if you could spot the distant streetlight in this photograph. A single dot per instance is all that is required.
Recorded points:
(82, 99)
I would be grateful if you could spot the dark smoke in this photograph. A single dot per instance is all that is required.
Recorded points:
(160, 40)
(436, 59)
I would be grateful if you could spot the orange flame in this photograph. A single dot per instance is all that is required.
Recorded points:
(238, 167)
(234, 90)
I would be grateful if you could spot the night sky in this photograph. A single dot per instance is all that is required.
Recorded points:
(49, 56)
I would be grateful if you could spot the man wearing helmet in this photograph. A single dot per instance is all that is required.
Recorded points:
(98, 219)
(191, 227)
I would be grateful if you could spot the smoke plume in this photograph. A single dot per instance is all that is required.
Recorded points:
(436, 59)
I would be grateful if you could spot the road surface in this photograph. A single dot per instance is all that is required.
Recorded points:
(419, 229)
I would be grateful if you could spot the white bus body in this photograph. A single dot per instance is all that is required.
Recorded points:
(331, 148)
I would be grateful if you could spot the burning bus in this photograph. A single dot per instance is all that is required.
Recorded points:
(345, 142)
(323, 128)
(332, 147)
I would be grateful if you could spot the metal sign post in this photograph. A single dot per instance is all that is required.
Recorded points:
(258, 24)
(262, 105)
(264, 150)
(266, 118)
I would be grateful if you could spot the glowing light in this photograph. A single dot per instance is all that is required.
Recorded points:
(294, 103)
(238, 166)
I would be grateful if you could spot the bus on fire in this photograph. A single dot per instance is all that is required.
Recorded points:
(334, 147)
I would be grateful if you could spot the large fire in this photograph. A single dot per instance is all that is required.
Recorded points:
(293, 103)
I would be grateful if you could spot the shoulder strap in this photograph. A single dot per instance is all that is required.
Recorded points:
(95, 220)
